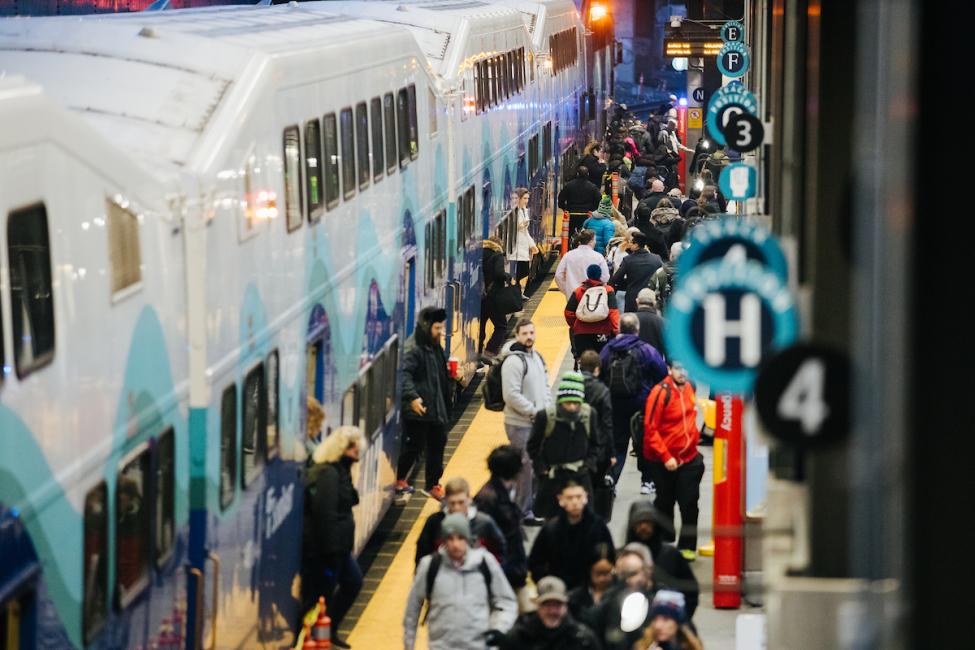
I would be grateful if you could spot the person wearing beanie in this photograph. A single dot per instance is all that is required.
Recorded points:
(571, 271)
(426, 397)
(468, 597)
(592, 313)
(564, 444)
(668, 627)
(601, 223)
(651, 323)
(551, 625)
(635, 271)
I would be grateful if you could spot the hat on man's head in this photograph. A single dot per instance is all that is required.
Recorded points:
(551, 588)
(594, 272)
(605, 207)
(433, 314)
(455, 524)
(571, 390)
(670, 604)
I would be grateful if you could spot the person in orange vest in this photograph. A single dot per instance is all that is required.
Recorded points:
(592, 313)
(674, 465)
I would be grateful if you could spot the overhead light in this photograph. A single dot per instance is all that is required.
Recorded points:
(679, 63)
(597, 12)
(675, 22)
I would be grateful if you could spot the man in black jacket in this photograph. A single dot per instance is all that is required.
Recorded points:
(651, 322)
(494, 500)
(600, 401)
(425, 390)
(579, 197)
(457, 499)
(635, 271)
(495, 277)
(567, 539)
(551, 627)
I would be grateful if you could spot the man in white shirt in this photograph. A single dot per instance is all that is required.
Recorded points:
(571, 271)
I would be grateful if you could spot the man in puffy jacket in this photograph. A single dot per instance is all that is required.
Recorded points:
(494, 500)
(630, 368)
(551, 626)
(670, 446)
(601, 224)
(484, 532)
(579, 197)
(635, 271)
(591, 313)
(667, 221)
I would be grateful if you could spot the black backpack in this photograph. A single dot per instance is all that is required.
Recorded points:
(670, 279)
(625, 378)
(434, 568)
(491, 390)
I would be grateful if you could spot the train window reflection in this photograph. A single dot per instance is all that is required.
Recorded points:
(228, 445)
(272, 404)
(95, 557)
(132, 529)
(292, 177)
(348, 153)
(389, 116)
(253, 425)
(165, 493)
(403, 126)
(331, 162)
(414, 126)
(31, 293)
(313, 170)
(362, 143)
(376, 119)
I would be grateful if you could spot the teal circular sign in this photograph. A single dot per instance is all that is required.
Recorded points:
(733, 32)
(727, 100)
(733, 59)
(731, 239)
(724, 318)
(738, 181)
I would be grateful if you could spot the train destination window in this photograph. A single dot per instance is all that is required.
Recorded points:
(362, 143)
(253, 425)
(414, 125)
(389, 116)
(31, 292)
(132, 528)
(292, 178)
(376, 120)
(123, 246)
(271, 364)
(331, 161)
(313, 170)
(165, 493)
(347, 135)
(95, 557)
(228, 445)
(403, 126)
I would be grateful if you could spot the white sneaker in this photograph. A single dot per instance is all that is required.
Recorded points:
(645, 488)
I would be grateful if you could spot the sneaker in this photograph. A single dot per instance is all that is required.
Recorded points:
(688, 554)
(524, 297)
(436, 492)
(403, 488)
(645, 488)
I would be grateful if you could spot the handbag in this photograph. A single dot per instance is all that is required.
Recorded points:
(507, 298)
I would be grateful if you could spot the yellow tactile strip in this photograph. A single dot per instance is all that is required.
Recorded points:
(381, 624)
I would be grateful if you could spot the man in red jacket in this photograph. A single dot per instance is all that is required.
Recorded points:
(591, 313)
(670, 437)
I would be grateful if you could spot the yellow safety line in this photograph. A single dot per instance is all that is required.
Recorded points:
(381, 624)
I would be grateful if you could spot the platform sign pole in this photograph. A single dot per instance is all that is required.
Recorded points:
(682, 137)
(728, 516)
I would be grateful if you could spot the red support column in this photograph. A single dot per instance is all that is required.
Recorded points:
(682, 136)
(728, 515)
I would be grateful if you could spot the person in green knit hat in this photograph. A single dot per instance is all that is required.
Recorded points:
(601, 223)
(564, 444)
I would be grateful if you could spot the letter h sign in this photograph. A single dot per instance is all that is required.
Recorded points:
(718, 329)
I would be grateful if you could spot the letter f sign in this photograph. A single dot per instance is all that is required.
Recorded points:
(718, 329)
(733, 59)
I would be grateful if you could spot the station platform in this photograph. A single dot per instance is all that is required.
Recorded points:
(375, 620)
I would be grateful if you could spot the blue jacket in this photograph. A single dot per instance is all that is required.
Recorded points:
(603, 227)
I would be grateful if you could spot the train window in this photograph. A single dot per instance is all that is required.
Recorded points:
(389, 115)
(376, 119)
(350, 415)
(498, 80)
(253, 425)
(479, 86)
(547, 142)
(428, 243)
(362, 143)
(95, 557)
(292, 177)
(532, 155)
(313, 170)
(389, 382)
(228, 445)
(403, 127)
(432, 108)
(132, 529)
(471, 214)
(347, 135)
(123, 246)
(331, 161)
(31, 292)
(271, 364)
(374, 395)
(414, 126)
(461, 224)
(165, 496)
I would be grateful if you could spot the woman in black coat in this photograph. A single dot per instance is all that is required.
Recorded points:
(494, 268)
(328, 567)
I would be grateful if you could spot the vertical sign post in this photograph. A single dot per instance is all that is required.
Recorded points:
(682, 137)
(728, 517)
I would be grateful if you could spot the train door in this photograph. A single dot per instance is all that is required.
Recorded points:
(18, 615)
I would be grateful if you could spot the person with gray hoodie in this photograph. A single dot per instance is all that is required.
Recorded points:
(526, 391)
(469, 601)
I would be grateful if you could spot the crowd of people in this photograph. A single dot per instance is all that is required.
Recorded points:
(477, 583)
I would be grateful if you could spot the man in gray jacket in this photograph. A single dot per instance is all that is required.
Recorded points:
(525, 388)
(469, 601)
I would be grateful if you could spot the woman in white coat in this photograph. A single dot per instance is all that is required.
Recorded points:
(524, 244)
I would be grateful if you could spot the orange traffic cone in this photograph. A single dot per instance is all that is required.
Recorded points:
(616, 190)
(309, 643)
(321, 632)
(565, 232)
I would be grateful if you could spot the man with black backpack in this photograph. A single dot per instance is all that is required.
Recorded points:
(469, 602)
(630, 368)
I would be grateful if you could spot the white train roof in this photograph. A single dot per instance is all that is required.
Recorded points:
(154, 83)
(544, 17)
(451, 33)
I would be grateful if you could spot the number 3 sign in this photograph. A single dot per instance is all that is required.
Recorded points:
(803, 395)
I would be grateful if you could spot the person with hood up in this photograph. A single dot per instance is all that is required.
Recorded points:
(495, 278)
(649, 526)
(630, 368)
(426, 396)
(675, 466)
(484, 532)
(667, 221)
(664, 280)
(635, 271)
(572, 535)
(565, 444)
(470, 604)
(328, 567)
(591, 313)
(601, 224)
(579, 197)
(551, 626)
(668, 629)
(651, 323)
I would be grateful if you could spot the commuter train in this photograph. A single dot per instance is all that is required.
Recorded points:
(212, 215)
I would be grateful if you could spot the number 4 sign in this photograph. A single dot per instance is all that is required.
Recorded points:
(803, 395)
